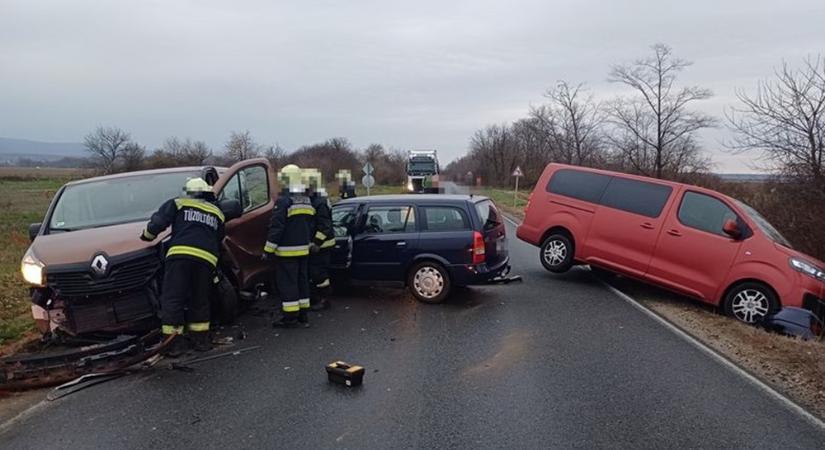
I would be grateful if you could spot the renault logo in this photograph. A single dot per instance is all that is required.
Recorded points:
(100, 265)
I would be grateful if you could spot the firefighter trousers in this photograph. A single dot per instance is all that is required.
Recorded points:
(319, 282)
(292, 279)
(187, 283)
(319, 268)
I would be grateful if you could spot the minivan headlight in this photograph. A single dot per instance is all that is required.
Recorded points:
(808, 269)
(32, 269)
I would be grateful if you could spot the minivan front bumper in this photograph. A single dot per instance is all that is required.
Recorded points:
(77, 300)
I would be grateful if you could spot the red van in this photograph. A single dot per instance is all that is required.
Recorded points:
(690, 240)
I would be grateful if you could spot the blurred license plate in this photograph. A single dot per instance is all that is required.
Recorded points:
(501, 245)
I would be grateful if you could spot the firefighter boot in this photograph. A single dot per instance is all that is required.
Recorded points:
(303, 318)
(320, 304)
(319, 300)
(286, 321)
(177, 348)
(201, 341)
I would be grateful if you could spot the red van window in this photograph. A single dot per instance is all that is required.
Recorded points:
(704, 212)
(638, 197)
(577, 184)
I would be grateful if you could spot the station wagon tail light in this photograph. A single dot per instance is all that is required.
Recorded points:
(479, 253)
(529, 199)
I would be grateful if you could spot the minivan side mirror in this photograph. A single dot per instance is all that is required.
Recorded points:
(33, 230)
(231, 209)
(731, 228)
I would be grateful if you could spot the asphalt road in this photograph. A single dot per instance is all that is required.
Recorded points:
(555, 362)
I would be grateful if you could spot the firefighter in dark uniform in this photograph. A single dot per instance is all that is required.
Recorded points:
(323, 241)
(288, 243)
(346, 187)
(194, 247)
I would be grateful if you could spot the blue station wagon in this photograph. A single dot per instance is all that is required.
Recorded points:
(429, 243)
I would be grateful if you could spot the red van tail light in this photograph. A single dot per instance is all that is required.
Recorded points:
(529, 199)
(479, 253)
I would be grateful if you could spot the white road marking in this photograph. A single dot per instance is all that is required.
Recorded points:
(507, 218)
(718, 357)
(790, 404)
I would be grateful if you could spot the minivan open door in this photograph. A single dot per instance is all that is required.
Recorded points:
(250, 183)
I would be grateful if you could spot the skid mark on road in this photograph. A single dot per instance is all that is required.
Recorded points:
(513, 349)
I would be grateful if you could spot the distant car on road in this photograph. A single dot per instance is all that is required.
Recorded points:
(429, 243)
(690, 240)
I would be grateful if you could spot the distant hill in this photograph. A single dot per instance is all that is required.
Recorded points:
(746, 177)
(23, 148)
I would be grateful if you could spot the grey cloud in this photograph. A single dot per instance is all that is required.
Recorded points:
(417, 74)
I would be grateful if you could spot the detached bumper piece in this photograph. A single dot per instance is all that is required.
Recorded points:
(345, 374)
(505, 278)
(39, 370)
(797, 322)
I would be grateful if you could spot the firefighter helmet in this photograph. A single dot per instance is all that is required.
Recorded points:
(196, 186)
(291, 177)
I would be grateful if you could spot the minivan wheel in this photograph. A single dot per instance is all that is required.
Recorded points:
(750, 302)
(429, 282)
(556, 253)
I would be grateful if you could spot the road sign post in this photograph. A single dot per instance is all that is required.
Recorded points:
(516, 173)
(368, 180)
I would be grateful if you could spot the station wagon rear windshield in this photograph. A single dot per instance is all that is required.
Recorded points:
(488, 213)
(114, 201)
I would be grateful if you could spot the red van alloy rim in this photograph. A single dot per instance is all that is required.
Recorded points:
(428, 282)
(555, 252)
(750, 305)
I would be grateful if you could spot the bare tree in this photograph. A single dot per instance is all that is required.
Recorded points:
(133, 157)
(785, 121)
(656, 123)
(276, 155)
(497, 153)
(575, 121)
(242, 146)
(106, 146)
(177, 152)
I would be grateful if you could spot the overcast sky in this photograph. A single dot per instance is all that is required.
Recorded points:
(424, 75)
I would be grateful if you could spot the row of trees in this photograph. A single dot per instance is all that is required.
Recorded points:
(653, 129)
(112, 149)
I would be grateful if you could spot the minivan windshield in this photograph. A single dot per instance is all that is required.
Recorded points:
(117, 200)
(764, 225)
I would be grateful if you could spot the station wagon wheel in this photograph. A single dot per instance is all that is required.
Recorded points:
(429, 282)
(750, 302)
(556, 253)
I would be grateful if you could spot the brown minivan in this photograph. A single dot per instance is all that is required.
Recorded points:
(90, 272)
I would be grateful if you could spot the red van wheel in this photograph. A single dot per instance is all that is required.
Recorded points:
(750, 302)
(556, 253)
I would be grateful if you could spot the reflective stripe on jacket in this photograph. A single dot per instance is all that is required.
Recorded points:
(290, 227)
(197, 228)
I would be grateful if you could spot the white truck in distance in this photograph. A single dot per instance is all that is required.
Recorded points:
(422, 170)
